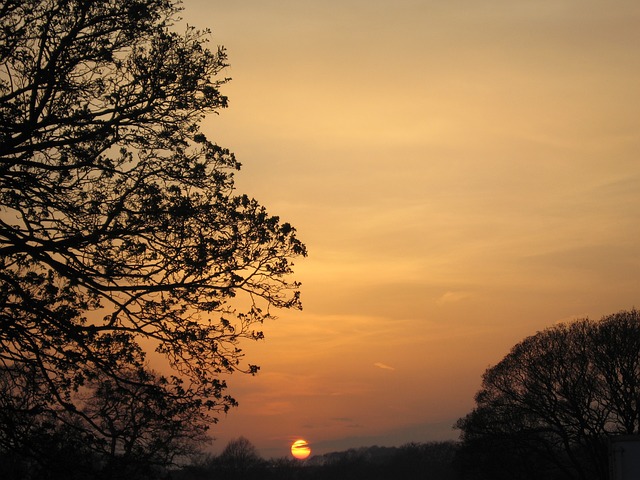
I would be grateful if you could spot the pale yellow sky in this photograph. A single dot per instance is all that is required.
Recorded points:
(463, 172)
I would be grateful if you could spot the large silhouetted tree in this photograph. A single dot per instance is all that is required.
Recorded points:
(549, 406)
(120, 232)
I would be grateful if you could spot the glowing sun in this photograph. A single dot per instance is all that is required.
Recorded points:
(300, 449)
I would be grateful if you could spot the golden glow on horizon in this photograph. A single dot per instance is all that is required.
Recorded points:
(300, 449)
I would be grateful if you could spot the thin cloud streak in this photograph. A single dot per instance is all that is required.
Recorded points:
(383, 366)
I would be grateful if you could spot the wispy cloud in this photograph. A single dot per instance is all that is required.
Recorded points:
(450, 297)
(383, 366)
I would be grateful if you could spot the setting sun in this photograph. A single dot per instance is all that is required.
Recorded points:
(300, 449)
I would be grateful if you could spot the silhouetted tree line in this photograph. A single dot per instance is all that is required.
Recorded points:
(411, 461)
(434, 460)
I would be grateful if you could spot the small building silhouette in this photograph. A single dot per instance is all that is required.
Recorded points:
(624, 457)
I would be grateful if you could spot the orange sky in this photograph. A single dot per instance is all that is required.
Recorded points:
(464, 174)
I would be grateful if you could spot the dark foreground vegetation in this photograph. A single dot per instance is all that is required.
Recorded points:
(411, 461)
(550, 407)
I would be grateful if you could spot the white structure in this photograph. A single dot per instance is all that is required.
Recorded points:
(624, 457)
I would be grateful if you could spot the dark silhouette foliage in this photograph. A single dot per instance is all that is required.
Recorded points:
(239, 460)
(132, 430)
(548, 408)
(120, 230)
(409, 462)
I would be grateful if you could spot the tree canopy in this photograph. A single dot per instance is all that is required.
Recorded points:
(120, 229)
(552, 402)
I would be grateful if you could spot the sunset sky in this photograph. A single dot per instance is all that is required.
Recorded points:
(464, 173)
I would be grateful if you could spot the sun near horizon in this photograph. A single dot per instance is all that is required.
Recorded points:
(300, 449)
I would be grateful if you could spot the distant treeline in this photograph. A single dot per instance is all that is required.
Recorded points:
(434, 460)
